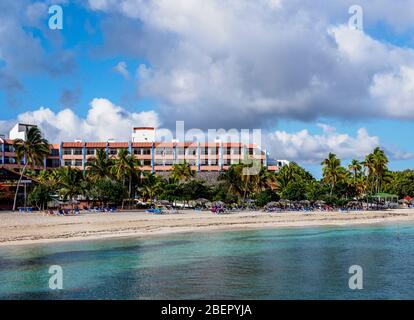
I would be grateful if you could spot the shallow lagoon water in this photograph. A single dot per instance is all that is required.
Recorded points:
(291, 263)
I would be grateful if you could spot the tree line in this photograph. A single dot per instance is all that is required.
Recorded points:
(119, 180)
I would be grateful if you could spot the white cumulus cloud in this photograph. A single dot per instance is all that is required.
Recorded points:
(103, 121)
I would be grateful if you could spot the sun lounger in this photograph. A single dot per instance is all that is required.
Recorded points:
(155, 211)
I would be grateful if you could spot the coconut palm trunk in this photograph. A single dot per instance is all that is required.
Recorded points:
(18, 186)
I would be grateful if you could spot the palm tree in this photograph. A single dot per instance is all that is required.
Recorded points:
(70, 182)
(33, 151)
(182, 172)
(152, 184)
(361, 185)
(355, 167)
(124, 167)
(376, 164)
(100, 165)
(291, 173)
(332, 171)
(265, 180)
(232, 179)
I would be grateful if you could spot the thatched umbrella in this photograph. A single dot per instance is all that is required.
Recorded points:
(201, 201)
(163, 202)
(272, 204)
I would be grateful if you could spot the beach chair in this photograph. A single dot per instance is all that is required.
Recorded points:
(154, 211)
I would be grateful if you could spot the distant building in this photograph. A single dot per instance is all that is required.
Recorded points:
(8, 156)
(153, 156)
(19, 131)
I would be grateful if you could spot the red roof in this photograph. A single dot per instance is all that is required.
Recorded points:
(73, 144)
(96, 144)
(142, 144)
(118, 144)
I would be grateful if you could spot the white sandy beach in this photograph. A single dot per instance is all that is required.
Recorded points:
(23, 228)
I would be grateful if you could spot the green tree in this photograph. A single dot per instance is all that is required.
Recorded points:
(70, 182)
(40, 196)
(376, 164)
(124, 169)
(32, 151)
(182, 172)
(152, 185)
(332, 171)
(295, 190)
(355, 168)
(106, 190)
(100, 166)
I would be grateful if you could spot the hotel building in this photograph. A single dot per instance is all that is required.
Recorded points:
(153, 156)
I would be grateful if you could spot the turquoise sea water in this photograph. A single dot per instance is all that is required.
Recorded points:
(305, 263)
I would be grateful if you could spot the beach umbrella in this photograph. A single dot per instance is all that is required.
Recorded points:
(201, 201)
(54, 203)
(272, 204)
(163, 202)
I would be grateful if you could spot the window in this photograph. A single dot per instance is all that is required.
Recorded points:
(68, 163)
(77, 152)
(90, 151)
(78, 163)
(137, 150)
(147, 163)
(192, 151)
(52, 163)
(251, 151)
(8, 148)
(54, 152)
(180, 151)
(67, 151)
(213, 162)
(169, 151)
(113, 152)
(160, 151)
(214, 151)
(9, 160)
(146, 151)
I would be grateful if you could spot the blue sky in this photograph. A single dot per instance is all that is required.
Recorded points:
(282, 66)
